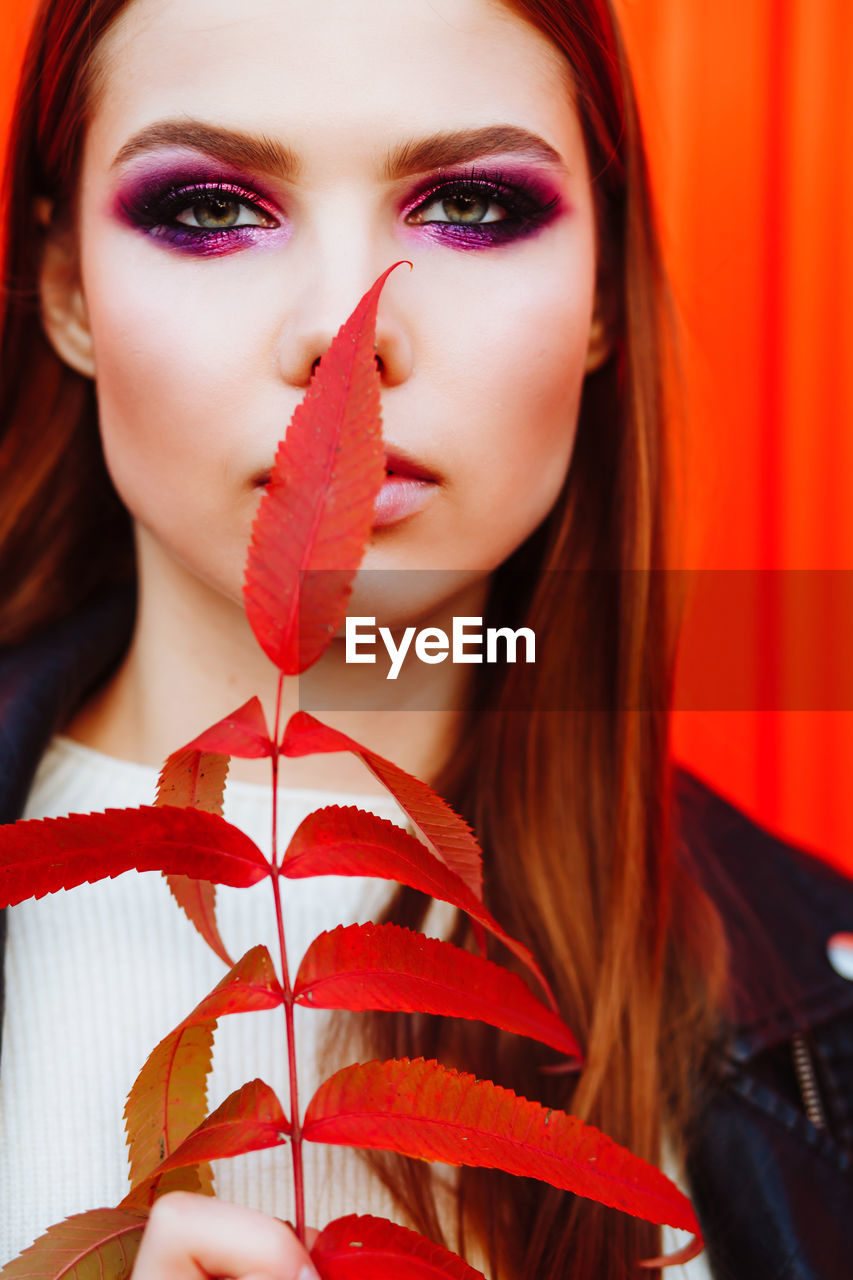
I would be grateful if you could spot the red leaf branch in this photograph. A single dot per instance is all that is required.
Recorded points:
(308, 539)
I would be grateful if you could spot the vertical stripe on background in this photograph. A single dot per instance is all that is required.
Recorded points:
(750, 128)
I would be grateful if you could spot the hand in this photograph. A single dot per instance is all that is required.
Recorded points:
(192, 1237)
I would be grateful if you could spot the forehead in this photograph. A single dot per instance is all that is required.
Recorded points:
(347, 78)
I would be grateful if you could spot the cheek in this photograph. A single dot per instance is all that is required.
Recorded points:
(522, 386)
(172, 360)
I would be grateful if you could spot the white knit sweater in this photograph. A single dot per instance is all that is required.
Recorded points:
(96, 976)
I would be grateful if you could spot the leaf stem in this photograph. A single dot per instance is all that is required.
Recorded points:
(295, 1119)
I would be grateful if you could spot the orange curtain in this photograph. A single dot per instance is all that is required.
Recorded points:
(748, 110)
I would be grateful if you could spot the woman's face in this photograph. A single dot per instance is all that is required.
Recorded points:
(247, 176)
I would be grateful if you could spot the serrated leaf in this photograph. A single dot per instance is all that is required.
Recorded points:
(193, 779)
(168, 1100)
(243, 733)
(347, 841)
(367, 1248)
(447, 835)
(196, 780)
(383, 966)
(41, 855)
(102, 1242)
(314, 521)
(425, 1110)
(250, 1119)
(197, 899)
(197, 1179)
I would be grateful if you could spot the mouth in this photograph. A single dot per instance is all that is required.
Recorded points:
(407, 488)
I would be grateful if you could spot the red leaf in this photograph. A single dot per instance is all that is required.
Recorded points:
(680, 1257)
(250, 1119)
(41, 855)
(375, 966)
(197, 899)
(367, 1248)
(425, 1110)
(196, 780)
(102, 1242)
(314, 520)
(243, 733)
(168, 1100)
(448, 835)
(346, 841)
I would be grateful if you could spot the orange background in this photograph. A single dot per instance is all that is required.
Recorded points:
(748, 109)
(749, 115)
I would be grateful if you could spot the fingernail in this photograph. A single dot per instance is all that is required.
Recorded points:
(308, 1273)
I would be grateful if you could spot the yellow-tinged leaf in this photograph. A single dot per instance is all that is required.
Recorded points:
(250, 1119)
(89, 1246)
(196, 780)
(193, 779)
(169, 1098)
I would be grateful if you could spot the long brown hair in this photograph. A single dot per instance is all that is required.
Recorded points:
(571, 798)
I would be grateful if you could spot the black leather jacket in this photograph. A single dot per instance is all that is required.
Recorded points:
(771, 1162)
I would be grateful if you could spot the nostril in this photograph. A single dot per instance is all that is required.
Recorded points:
(380, 365)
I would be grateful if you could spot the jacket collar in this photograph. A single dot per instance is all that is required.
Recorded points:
(779, 904)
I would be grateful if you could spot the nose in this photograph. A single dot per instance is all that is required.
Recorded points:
(380, 364)
(325, 298)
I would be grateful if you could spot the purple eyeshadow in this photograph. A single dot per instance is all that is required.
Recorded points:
(151, 200)
(529, 204)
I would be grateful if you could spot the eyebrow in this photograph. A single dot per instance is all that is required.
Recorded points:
(259, 152)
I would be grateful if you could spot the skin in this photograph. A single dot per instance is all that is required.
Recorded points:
(200, 359)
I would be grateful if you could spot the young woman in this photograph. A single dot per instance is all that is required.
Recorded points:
(196, 201)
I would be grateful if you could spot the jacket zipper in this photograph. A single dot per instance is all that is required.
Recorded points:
(807, 1080)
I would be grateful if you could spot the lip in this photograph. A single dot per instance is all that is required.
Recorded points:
(401, 496)
(398, 464)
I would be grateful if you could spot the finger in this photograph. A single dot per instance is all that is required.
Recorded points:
(311, 1233)
(191, 1237)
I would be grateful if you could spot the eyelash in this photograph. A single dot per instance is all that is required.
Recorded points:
(155, 212)
(525, 210)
